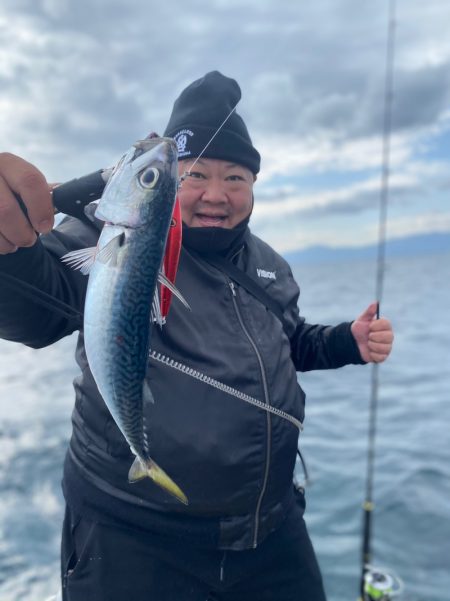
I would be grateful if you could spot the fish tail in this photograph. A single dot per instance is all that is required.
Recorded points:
(143, 469)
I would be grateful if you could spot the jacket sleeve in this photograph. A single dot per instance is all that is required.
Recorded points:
(22, 318)
(316, 346)
(323, 347)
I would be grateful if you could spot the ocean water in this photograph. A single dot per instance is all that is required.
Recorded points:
(411, 530)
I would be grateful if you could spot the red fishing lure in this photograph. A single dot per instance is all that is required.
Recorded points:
(171, 257)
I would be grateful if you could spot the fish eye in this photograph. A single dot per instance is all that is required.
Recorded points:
(149, 177)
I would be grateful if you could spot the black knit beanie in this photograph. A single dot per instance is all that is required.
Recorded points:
(198, 113)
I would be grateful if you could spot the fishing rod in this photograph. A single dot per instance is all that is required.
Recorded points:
(376, 583)
(73, 196)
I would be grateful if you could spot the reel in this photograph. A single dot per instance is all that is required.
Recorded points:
(381, 584)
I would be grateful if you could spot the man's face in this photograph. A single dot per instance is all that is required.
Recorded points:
(215, 193)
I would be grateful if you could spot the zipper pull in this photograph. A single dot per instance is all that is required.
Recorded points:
(233, 290)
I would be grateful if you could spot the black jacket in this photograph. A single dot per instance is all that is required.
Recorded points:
(233, 460)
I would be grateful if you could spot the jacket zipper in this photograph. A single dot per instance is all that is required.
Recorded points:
(268, 420)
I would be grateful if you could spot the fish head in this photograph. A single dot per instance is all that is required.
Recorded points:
(146, 174)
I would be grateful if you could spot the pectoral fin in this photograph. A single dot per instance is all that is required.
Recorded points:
(84, 258)
(109, 253)
(81, 259)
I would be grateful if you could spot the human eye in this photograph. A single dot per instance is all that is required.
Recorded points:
(196, 174)
(234, 177)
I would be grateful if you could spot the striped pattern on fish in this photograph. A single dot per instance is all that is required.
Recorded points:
(124, 268)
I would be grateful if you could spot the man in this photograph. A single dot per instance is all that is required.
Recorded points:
(242, 536)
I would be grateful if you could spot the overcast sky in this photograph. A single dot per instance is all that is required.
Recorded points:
(81, 81)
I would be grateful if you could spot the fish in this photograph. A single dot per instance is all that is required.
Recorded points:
(122, 301)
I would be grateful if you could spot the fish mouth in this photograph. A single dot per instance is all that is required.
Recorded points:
(142, 146)
(152, 151)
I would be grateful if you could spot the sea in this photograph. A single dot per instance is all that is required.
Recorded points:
(411, 486)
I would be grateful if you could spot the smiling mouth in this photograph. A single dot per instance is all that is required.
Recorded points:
(211, 219)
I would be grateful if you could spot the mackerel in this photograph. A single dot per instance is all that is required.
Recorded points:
(122, 296)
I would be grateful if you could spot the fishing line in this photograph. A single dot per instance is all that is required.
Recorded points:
(375, 584)
(186, 173)
(35, 294)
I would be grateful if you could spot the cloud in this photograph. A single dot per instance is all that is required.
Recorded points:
(317, 154)
(294, 235)
(81, 81)
(355, 198)
(423, 223)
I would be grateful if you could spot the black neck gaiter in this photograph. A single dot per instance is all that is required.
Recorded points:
(220, 240)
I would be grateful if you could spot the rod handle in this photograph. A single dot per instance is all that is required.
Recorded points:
(71, 197)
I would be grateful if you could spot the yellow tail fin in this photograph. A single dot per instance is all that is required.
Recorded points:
(150, 469)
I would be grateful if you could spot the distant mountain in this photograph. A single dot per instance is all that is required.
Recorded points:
(419, 244)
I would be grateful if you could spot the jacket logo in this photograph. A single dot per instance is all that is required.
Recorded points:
(181, 140)
(262, 273)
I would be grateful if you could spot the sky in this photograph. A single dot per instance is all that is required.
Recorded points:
(81, 81)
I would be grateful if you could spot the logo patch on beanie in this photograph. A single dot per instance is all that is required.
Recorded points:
(181, 140)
